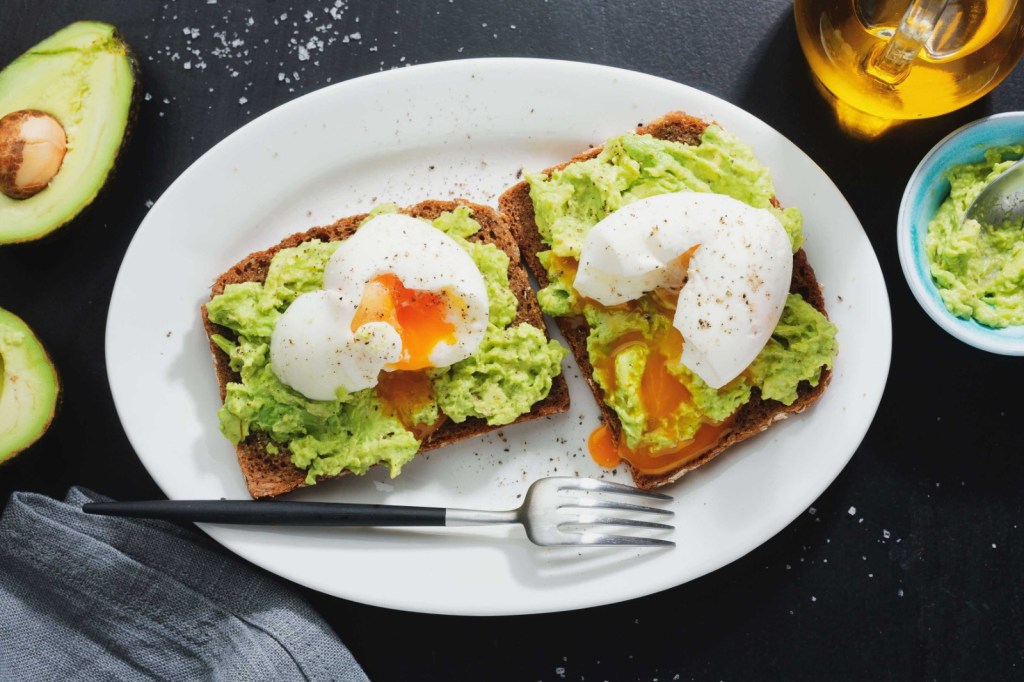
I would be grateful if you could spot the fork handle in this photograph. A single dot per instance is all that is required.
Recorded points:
(251, 512)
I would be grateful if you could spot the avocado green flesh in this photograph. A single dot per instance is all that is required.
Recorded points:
(29, 387)
(978, 269)
(82, 76)
(631, 167)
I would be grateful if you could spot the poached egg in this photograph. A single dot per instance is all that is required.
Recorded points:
(733, 263)
(399, 294)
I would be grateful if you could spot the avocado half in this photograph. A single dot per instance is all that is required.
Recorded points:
(29, 387)
(86, 77)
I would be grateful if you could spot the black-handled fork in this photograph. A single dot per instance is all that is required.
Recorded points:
(559, 510)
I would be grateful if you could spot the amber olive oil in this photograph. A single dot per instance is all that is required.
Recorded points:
(896, 59)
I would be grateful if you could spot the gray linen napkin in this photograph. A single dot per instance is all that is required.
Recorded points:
(93, 597)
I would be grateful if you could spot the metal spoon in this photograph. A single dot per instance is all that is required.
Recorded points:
(1001, 200)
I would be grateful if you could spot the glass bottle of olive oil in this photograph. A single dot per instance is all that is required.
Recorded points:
(881, 61)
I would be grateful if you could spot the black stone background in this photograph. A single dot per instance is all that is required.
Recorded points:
(830, 597)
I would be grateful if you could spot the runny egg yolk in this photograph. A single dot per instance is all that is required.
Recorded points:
(403, 393)
(607, 452)
(660, 392)
(418, 316)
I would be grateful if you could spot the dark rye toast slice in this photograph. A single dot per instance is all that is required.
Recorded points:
(756, 415)
(269, 475)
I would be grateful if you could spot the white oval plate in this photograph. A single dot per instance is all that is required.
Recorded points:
(439, 131)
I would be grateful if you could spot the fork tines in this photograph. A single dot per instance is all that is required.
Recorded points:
(591, 513)
(595, 485)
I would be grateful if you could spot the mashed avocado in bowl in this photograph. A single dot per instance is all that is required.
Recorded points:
(978, 269)
(968, 278)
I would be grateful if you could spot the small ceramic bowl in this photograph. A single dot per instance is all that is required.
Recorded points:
(926, 190)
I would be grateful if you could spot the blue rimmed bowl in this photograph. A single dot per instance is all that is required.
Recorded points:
(926, 190)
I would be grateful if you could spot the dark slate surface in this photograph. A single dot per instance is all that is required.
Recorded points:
(921, 581)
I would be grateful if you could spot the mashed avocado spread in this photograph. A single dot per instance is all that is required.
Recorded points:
(634, 348)
(978, 269)
(511, 370)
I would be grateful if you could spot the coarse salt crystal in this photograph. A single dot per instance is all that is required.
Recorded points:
(851, 511)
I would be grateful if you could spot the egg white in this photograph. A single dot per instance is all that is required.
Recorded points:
(736, 283)
(313, 348)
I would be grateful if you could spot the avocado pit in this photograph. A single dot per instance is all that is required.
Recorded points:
(32, 148)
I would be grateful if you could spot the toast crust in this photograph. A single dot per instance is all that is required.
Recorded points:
(753, 417)
(268, 475)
